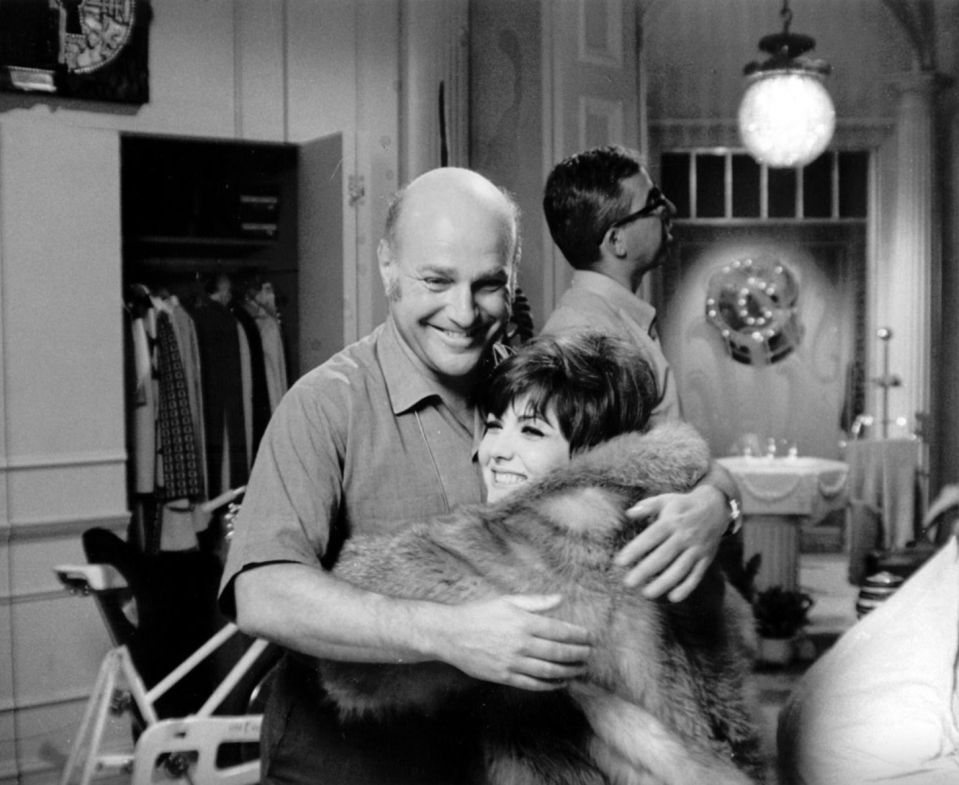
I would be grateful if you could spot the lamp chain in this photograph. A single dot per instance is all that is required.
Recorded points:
(787, 16)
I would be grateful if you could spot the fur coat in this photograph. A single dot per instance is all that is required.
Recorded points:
(663, 700)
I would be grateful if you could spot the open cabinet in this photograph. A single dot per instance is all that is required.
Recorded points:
(194, 209)
(214, 233)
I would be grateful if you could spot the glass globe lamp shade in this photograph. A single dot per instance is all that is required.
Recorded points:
(786, 117)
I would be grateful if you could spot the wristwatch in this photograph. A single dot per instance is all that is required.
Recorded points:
(735, 517)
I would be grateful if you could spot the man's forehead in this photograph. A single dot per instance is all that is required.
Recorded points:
(459, 268)
(442, 238)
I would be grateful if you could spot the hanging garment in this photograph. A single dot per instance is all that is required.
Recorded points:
(260, 408)
(177, 438)
(274, 357)
(219, 343)
(246, 391)
(144, 395)
(185, 332)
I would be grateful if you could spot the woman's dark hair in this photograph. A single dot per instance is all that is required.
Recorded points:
(598, 386)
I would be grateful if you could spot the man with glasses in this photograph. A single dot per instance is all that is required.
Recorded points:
(613, 225)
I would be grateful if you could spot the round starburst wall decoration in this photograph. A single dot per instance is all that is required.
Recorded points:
(753, 302)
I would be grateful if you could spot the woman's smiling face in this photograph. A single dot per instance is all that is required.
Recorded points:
(519, 447)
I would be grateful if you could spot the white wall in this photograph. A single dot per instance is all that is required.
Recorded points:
(277, 70)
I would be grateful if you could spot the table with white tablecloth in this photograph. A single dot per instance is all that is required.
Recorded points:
(779, 495)
(884, 498)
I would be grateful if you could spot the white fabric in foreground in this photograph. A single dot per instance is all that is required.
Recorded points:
(881, 704)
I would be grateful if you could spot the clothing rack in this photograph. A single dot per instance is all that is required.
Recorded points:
(207, 367)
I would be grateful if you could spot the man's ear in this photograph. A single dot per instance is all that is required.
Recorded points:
(384, 254)
(614, 243)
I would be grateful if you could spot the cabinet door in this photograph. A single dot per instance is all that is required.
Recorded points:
(327, 253)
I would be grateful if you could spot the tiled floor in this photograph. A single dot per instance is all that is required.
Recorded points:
(823, 576)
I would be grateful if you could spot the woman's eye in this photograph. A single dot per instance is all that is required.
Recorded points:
(532, 430)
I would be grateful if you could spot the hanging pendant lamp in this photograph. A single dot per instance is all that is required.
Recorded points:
(786, 117)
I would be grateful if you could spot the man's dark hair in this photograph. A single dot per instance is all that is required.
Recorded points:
(583, 196)
(599, 386)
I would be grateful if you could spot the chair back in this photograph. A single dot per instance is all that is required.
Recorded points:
(168, 613)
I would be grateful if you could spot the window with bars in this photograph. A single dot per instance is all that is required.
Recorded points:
(728, 185)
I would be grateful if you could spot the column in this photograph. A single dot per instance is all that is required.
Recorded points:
(912, 272)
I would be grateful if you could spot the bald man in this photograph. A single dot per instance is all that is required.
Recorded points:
(378, 436)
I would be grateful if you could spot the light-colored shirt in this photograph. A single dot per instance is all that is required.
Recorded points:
(597, 302)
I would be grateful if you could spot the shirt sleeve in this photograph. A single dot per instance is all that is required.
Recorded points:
(295, 488)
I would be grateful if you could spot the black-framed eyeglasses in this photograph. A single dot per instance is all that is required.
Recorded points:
(655, 201)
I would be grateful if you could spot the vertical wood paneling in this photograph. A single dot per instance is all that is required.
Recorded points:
(377, 145)
(8, 734)
(259, 85)
(191, 72)
(8, 750)
(63, 399)
(274, 70)
(434, 50)
(321, 88)
(56, 283)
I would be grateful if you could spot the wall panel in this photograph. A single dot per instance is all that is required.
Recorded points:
(271, 70)
(52, 490)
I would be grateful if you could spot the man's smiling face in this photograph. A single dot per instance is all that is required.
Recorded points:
(448, 280)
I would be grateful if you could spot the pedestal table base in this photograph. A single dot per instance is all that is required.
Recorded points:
(776, 537)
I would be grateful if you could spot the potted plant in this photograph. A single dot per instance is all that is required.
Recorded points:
(780, 615)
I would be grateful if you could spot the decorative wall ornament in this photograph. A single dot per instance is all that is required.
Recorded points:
(92, 49)
(753, 304)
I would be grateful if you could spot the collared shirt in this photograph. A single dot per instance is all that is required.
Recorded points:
(597, 302)
(363, 443)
